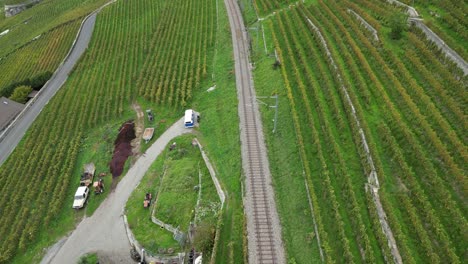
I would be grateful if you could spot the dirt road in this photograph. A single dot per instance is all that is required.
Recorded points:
(104, 231)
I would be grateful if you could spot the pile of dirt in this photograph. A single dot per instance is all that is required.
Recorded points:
(122, 148)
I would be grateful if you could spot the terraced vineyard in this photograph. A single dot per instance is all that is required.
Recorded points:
(39, 19)
(351, 107)
(448, 20)
(410, 107)
(155, 48)
(41, 55)
(264, 7)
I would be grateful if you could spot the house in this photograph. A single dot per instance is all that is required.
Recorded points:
(8, 111)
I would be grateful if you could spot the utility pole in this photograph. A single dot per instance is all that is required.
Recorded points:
(271, 106)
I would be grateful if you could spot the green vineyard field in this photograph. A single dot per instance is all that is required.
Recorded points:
(410, 104)
(41, 55)
(154, 51)
(351, 106)
(39, 19)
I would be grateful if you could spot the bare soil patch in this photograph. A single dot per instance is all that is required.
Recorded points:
(122, 148)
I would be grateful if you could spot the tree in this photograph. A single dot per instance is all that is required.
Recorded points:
(20, 94)
(398, 24)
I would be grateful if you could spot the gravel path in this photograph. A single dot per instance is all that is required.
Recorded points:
(263, 226)
(104, 231)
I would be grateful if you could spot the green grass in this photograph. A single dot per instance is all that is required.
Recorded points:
(177, 196)
(285, 163)
(146, 232)
(220, 137)
(91, 258)
(171, 180)
(286, 168)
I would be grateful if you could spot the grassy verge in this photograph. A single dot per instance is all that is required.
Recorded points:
(220, 137)
(176, 196)
(285, 164)
(171, 180)
(139, 218)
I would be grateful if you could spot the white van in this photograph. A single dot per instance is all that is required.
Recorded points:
(189, 120)
(81, 196)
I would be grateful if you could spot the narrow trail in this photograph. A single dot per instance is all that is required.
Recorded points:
(139, 128)
(104, 231)
(265, 244)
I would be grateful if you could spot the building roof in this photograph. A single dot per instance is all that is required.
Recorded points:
(8, 111)
(32, 94)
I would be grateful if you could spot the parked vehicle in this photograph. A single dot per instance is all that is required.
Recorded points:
(88, 174)
(98, 186)
(150, 115)
(81, 195)
(148, 134)
(147, 201)
(189, 120)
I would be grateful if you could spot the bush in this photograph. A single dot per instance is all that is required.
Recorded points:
(398, 25)
(35, 82)
(20, 94)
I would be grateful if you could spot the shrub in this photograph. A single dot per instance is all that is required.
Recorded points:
(20, 94)
(398, 25)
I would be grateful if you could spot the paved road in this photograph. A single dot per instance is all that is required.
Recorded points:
(104, 231)
(263, 226)
(16, 132)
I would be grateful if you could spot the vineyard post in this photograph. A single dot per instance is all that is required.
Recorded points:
(271, 106)
(256, 28)
(276, 112)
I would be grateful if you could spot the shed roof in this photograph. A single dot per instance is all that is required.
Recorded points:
(8, 111)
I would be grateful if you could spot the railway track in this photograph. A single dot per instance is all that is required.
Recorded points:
(263, 226)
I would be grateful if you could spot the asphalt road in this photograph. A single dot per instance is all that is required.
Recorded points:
(104, 231)
(16, 132)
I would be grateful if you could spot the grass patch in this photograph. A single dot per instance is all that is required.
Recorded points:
(91, 258)
(177, 194)
(219, 136)
(171, 180)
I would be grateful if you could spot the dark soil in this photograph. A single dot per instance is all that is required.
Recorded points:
(122, 148)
